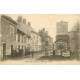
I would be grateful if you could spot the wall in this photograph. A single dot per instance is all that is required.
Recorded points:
(35, 41)
(20, 41)
(62, 28)
(73, 40)
(6, 35)
(1, 56)
(39, 43)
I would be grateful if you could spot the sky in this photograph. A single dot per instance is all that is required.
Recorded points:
(48, 21)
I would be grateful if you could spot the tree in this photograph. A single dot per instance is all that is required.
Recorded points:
(44, 39)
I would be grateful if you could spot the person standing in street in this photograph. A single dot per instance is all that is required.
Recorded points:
(53, 52)
(78, 54)
(32, 52)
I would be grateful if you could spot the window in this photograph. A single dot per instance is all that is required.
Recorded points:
(22, 39)
(18, 47)
(12, 32)
(22, 46)
(28, 39)
(18, 37)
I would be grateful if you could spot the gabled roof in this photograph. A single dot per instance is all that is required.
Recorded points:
(8, 18)
(23, 28)
(34, 31)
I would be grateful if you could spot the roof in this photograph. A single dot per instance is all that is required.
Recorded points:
(23, 28)
(62, 21)
(33, 30)
(76, 27)
(8, 18)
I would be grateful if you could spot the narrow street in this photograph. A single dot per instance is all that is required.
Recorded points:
(39, 58)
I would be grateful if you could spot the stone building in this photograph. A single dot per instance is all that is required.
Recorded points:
(62, 38)
(23, 35)
(36, 43)
(47, 41)
(74, 37)
(17, 36)
(26, 36)
(7, 35)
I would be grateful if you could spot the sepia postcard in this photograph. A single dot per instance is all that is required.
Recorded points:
(39, 39)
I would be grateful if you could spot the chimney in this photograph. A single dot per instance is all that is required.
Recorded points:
(46, 32)
(24, 21)
(43, 29)
(29, 23)
(19, 18)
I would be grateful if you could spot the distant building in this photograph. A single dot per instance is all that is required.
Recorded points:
(35, 41)
(62, 28)
(47, 41)
(62, 38)
(7, 36)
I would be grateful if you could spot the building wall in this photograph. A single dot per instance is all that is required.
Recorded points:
(50, 43)
(62, 28)
(35, 42)
(79, 40)
(8, 32)
(0, 40)
(62, 37)
(20, 41)
(73, 40)
(39, 43)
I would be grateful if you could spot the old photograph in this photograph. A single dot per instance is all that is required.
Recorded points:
(39, 39)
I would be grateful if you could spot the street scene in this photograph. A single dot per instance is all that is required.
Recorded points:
(38, 38)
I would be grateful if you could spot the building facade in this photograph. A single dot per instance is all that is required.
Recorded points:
(27, 37)
(17, 36)
(47, 41)
(62, 28)
(7, 36)
(23, 35)
(36, 43)
(74, 37)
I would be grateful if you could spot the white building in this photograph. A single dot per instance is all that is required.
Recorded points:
(36, 43)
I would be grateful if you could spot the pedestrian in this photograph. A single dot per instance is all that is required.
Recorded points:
(32, 52)
(53, 52)
(78, 54)
(26, 51)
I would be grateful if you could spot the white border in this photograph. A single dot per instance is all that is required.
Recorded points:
(40, 6)
(39, 72)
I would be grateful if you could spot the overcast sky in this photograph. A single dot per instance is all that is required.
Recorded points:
(48, 21)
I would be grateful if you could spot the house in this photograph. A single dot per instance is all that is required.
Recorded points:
(26, 37)
(35, 41)
(23, 35)
(47, 41)
(7, 36)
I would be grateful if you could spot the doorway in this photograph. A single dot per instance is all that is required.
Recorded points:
(11, 50)
(4, 49)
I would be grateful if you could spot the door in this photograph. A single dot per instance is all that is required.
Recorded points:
(11, 49)
(4, 49)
